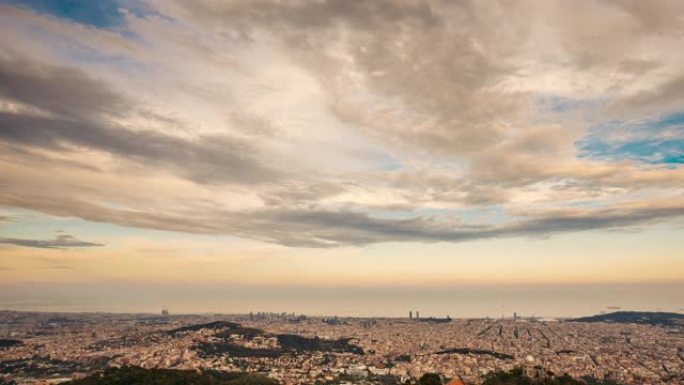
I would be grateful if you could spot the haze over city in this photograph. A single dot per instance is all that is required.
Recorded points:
(351, 158)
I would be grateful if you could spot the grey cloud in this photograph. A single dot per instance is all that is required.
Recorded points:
(62, 241)
(64, 91)
(318, 227)
(668, 96)
(327, 229)
(292, 193)
(81, 110)
(23, 155)
(559, 221)
(207, 159)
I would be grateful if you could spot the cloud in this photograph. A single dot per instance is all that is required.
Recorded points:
(62, 241)
(58, 91)
(334, 123)
(76, 112)
(328, 228)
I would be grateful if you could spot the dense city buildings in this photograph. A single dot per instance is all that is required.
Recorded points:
(295, 349)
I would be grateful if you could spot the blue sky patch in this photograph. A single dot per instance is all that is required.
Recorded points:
(96, 13)
(655, 141)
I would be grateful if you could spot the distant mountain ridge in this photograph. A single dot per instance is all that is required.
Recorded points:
(636, 317)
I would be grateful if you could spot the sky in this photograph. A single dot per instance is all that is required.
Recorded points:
(349, 157)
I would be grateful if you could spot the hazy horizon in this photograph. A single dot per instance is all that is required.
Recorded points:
(457, 302)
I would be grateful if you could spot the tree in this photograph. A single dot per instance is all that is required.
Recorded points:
(430, 379)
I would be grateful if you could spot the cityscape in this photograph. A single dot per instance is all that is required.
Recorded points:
(341, 192)
(295, 349)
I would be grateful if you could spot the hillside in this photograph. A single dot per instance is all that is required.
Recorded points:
(637, 317)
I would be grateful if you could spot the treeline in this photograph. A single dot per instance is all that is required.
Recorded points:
(289, 343)
(9, 342)
(209, 325)
(226, 329)
(516, 377)
(501, 356)
(217, 349)
(293, 342)
(131, 375)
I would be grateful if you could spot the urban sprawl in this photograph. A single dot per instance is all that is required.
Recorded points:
(37, 348)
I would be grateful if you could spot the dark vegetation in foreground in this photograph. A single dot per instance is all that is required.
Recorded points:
(132, 375)
(636, 317)
(516, 377)
(501, 356)
(8, 343)
(40, 366)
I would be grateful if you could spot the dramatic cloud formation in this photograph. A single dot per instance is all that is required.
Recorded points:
(333, 123)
